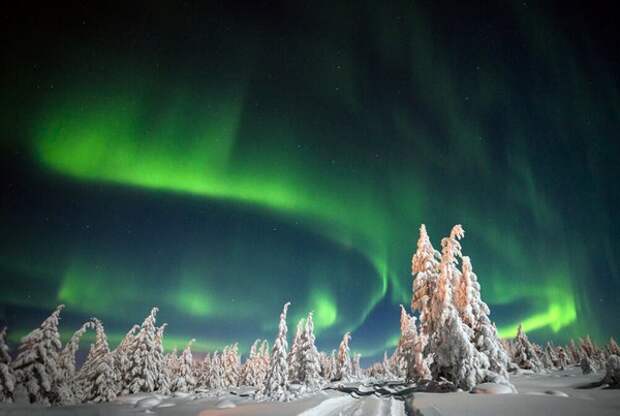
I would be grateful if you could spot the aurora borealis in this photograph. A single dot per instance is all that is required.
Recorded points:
(220, 160)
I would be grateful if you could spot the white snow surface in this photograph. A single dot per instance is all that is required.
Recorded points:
(565, 393)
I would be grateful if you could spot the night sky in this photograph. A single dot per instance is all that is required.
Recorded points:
(222, 158)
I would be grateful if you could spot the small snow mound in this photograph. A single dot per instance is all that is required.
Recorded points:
(491, 388)
(148, 402)
(225, 404)
(181, 395)
(164, 405)
(556, 393)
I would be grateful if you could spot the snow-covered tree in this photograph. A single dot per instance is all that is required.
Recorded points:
(328, 365)
(295, 358)
(121, 354)
(36, 367)
(69, 386)
(201, 371)
(410, 349)
(612, 371)
(463, 293)
(216, 372)
(387, 367)
(524, 354)
(232, 365)
(425, 270)
(7, 378)
(587, 365)
(265, 361)
(612, 347)
(455, 357)
(183, 378)
(144, 368)
(549, 358)
(251, 372)
(356, 367)
(476, 316)
(310, 369)
(343, 359)
(574, 352)
(98, 378)
(277, 385)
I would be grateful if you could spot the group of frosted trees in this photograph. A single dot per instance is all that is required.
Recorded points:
(529, 356)
(452, 340)
(44, 370)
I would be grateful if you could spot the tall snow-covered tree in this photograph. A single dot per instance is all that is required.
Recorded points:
(425, 270)
(356, 367)
(310, 369)
(612, 371)
(216, 372)
(251, 372)
(454, 355)
(456, 359)
(232, 365)
(36, 367)
(549, 358)
(100, 381)
(525, 355)
(343, 359)
(612, 347)
(183, 378)
(476, 316)
(69, 386)
(7, 378)
(441, 299)
(410, 347)
(121, 354)
(327, 366)
(145, 362)
(201, 372)
(277, 385)
(295, 358)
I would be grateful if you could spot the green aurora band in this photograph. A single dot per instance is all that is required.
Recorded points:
(207, 143)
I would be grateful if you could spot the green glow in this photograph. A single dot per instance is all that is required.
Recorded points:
(325, 310)
(351, 166)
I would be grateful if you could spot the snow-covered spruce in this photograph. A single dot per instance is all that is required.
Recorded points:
(612, 371)
(525, 355)
(310, 366)
(485, 338)
(425, 270)
(143, 366)
(277, 385)
(36, 367)
(251, 371)
(343, 359)
(98, 377)
(183, 377)
(216, 372)
(232, 365)
(410, 349)
(294, 359)
(612, 347)
(70, 388)
(7, 378)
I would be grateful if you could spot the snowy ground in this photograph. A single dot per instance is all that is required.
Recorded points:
(559, 393)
